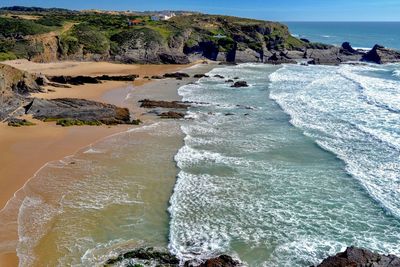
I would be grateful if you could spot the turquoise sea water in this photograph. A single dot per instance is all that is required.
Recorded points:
(359, 34)
(296, 167)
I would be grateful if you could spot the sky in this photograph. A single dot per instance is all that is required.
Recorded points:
(277, 10)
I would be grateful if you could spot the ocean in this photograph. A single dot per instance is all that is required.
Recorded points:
(296, 167)
(359, 34)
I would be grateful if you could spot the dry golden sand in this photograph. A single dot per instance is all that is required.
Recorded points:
(25, 150)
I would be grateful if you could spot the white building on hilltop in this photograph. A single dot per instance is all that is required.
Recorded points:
(163, 16)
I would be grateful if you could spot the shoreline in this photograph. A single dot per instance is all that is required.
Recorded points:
(112, 92)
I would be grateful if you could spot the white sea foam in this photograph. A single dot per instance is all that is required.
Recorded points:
(255, 186)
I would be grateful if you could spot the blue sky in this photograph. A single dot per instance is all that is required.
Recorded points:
(280, 10)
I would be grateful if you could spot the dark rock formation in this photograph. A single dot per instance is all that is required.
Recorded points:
(77, 80)
(80, 80)
(239, 84)
(219, 76)
(146, 103)
(381, 55)
(77, 109)
(176, 75)
(174, 58)
(127, 78)
(356, 257)
(172, 115)
(162, 258)
(149, 256)
(197, 76)
(15, 87)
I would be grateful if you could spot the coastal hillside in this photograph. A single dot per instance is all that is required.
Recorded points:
(49, 34)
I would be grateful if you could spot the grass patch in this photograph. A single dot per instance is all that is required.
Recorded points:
(74, 122)
(20, 123)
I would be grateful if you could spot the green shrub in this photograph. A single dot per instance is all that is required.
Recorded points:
(69, 45)
(12, 27)
(92, 40)
(7, 56)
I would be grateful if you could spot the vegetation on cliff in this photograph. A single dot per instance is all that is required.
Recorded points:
(92, 35)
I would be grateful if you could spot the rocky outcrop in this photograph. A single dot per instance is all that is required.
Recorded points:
(80, 80)
(77, 109)
(381, 55)
(221, 261)
(162, 258)
(15, 86)
(356, 257)
(239, 84)
(178, 75)
(147, 103)
(172, 115)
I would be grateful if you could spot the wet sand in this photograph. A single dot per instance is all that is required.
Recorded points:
(27, 149)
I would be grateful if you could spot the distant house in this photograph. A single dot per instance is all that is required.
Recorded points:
(134, 22)
(163, 16)
(219, 36)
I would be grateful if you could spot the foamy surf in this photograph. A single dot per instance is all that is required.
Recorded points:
(252, 185)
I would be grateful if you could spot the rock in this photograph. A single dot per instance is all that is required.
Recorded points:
(15, 87)
(279, 58)
(197, 76)
(229, 81)
(347, 48)
(127, 78)
(172, 115)
(174, 58)
(176, 75)
(356, 257)
(381, 55)
(219, 76)
(80, 80)
(82, 110)
(221, 261)
(305, 40)
(229, 114)
(239, 84)
(150, 256)
(77, 80)
(146, 103)
(156, 77)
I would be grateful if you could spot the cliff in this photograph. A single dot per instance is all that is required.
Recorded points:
(55, 34)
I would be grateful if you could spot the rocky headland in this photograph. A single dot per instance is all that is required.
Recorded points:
(88, 36)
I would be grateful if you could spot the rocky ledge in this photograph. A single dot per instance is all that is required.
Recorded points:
(333, 55)
(152, 257)
(358, 257)
(79, 80)
(77, 111)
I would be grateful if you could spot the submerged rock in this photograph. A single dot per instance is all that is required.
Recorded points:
(357, 257)
(240, 84)
(200, 76)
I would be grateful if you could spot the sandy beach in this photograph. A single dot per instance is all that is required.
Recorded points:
(25, 150)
